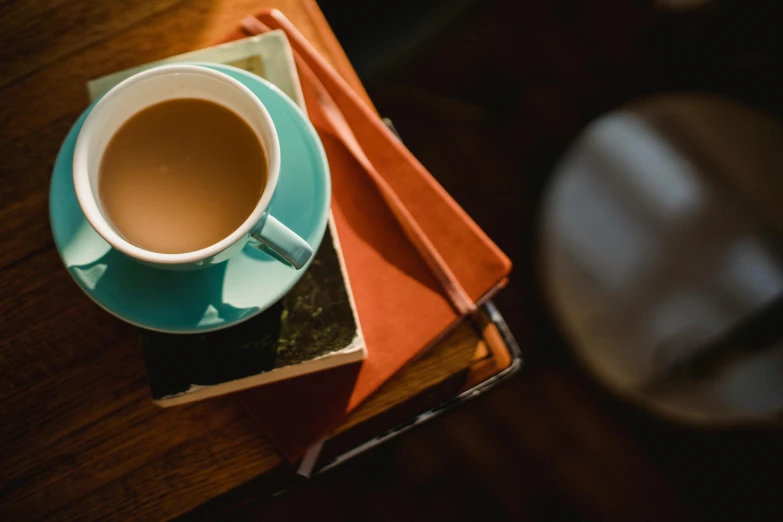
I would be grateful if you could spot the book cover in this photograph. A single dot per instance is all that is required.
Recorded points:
(401, 305)
(313, 328)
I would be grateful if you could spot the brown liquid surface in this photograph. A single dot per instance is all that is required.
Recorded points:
(181, 175)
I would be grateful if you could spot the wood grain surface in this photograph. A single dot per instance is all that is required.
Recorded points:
(79, 436)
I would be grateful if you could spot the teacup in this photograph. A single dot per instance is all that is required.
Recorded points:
(175, 82)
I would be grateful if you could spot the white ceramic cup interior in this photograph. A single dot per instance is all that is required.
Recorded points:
(141, 91)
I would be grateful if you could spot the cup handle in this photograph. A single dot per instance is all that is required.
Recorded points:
(283, 244)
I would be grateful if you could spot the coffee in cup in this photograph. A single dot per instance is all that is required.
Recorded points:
(171, 161)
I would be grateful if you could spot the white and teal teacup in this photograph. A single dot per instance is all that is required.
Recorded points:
(171, 82)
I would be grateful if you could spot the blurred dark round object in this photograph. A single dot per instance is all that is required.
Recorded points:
(661, 256)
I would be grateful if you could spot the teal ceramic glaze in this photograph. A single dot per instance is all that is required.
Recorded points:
(216, 296)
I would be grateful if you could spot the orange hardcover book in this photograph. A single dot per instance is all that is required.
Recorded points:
(401, 306)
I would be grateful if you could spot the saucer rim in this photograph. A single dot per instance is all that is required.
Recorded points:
(322, 223)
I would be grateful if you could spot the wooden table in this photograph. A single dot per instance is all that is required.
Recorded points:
(79, 435)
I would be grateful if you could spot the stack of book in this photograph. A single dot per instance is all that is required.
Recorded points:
(368, 304)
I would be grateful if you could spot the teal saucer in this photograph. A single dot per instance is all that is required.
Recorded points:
(215, 297)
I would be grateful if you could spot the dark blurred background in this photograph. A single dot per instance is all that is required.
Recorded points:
(488, 95)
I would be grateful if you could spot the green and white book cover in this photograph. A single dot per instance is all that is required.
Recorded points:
(314, 327)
